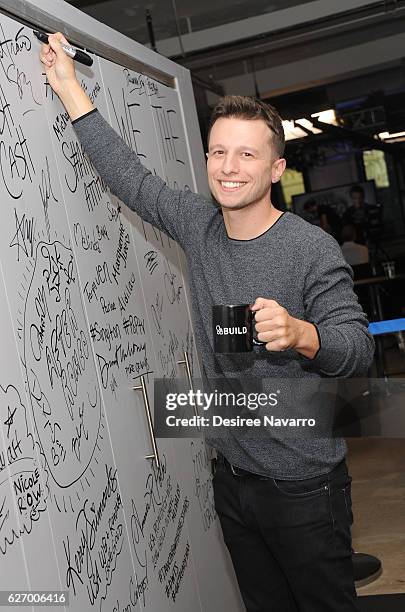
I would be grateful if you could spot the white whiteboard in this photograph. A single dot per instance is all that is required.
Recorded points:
(93, 298)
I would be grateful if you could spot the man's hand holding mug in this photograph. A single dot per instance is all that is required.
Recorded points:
(280, 331)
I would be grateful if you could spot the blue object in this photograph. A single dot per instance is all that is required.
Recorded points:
(386, 327)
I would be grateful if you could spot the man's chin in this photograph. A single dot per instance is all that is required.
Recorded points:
(228, 204)
(232, 205)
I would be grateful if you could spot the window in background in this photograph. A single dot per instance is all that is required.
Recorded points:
(376, 168)
(292, 183)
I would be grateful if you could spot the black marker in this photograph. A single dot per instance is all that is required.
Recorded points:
(76, 54)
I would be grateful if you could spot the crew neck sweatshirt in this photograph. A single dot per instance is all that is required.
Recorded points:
(294, 263)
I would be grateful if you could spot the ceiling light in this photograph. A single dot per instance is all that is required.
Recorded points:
(292, 132)
(327, 116)
(307, 124)
(391, 137)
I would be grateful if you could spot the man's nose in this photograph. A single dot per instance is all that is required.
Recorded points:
(230, 164)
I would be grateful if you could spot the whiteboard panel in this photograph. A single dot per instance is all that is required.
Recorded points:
(130, 115)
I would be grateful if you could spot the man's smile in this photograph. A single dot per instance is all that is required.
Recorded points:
(231, 185)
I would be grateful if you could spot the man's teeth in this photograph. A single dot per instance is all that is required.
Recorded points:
(230, 185)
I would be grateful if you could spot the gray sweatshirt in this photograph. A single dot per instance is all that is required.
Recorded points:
(294, 263)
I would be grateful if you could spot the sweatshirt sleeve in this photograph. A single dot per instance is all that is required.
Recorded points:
(120, 168)
(346, 346)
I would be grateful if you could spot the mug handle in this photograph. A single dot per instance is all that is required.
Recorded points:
(256, 342)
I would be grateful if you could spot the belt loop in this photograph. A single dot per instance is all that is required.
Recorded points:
(233, 471)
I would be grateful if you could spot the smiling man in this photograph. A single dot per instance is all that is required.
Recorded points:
(284, 504)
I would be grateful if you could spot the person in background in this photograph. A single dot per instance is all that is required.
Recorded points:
(361, 214)
(355, 254)
(324, 216)
(310, 212)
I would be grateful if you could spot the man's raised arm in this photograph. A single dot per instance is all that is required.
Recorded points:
(168, 209)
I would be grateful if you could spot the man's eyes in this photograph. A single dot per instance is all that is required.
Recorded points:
(219, 152)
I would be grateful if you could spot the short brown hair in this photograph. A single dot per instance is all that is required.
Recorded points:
(247, 107)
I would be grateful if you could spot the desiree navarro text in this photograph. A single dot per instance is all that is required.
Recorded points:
(216, 420)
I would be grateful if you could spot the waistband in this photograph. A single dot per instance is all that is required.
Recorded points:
(340, 468)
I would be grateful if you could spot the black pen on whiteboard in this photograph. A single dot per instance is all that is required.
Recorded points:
(76, 54)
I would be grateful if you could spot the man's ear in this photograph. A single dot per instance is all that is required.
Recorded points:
(278, 169)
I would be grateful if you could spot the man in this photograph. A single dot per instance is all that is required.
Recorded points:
(365, 217)
(324, 216)
(355, 254)
(285, 508)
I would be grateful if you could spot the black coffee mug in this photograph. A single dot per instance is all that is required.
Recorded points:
(234, 328)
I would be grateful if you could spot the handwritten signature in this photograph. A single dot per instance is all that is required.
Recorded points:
(24, 236)
(172, 288)
(10, 49)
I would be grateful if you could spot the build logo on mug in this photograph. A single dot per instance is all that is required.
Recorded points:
(233, 328)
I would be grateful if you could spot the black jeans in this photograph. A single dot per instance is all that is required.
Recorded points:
(290, 541)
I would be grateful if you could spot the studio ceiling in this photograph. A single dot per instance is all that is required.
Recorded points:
(128, 16)
(270, 48)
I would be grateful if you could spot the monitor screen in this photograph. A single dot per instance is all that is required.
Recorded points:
(333, 208)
